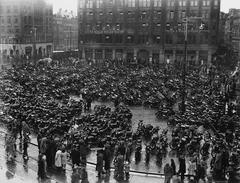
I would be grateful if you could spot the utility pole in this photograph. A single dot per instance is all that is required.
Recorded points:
(185, 21)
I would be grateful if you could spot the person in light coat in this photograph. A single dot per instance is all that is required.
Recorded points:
(58, 159)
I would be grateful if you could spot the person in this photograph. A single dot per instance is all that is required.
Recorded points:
(107, 159)
(41, 167)
(84, 176)
(43, 145)
(200, 172)
(168, 173)
(119, 174)
(64, 159)
(173, 166)
(192, 168)
(75, 156)
(58, 160)
(99, 165)
(127, 169)
(176, 179)
(182, 167)
(26, 140)
(75, 176)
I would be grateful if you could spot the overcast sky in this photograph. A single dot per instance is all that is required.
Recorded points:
(72, 4)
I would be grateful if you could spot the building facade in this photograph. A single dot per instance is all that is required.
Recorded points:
(234, 30)
(65, 26)
(147, 30)
(26, 28)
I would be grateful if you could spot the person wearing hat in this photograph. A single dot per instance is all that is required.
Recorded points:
(99, 165)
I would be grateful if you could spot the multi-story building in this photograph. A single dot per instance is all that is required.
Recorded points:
(25, 26)
(234, 30)
(147, 30)
(65, 26)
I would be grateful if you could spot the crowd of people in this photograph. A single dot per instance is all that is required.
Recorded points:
(39, 100)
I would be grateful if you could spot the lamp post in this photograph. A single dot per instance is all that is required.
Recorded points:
(185, 21)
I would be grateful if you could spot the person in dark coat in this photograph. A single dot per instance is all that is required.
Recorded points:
(168, 173)
(75, 156)
(173, 166)
(99, 165)
(41, 167)
(107, 160)
(182, 167)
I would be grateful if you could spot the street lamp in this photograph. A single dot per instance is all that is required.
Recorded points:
(186, 21)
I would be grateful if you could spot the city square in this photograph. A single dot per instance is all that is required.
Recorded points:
(119, 91)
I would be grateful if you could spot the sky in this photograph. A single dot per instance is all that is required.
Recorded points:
(72, 5)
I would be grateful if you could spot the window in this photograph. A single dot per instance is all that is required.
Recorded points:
(144, 3)
(131, 3)
(168, 26)
(16, 20)
(184, 3)
(158, 24)
(9, 19)
(206, 3)
(157, 3)
(89, 4)
(194, 3)
(171, 15)
(99, 3)
(81, 4)
(216, 3)
(120, 2)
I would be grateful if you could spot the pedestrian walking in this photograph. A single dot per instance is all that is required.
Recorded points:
(168, 173)
(99, 165)
(75, 156)
(107, 160)
(58, 160)
(41, 167)
(26, 140)
(182, 167)
(127, 170)
(43, 145)
(173, 165)
(64, 159)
